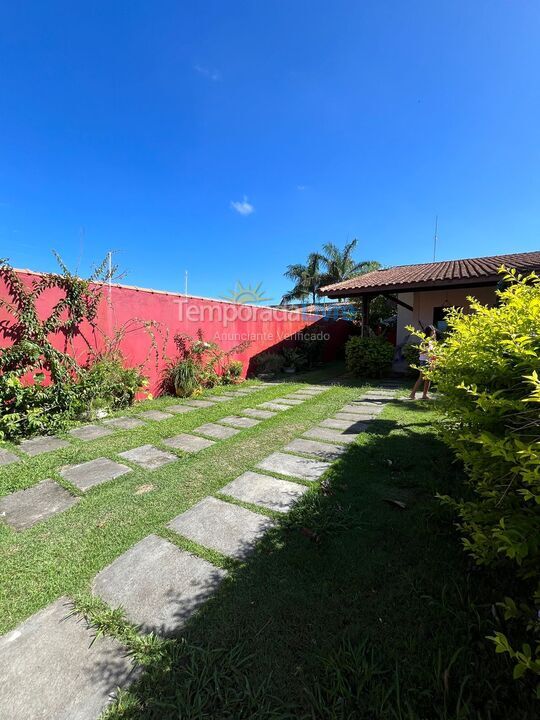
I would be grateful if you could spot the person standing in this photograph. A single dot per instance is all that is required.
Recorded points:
(424, 361)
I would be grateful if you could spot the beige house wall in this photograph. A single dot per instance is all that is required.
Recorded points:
(424, 302)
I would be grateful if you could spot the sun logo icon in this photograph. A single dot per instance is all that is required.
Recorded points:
(246, 295)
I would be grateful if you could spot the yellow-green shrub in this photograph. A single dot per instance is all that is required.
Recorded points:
(487, 370)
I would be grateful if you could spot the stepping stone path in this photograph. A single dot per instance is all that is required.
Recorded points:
(155, 415)
(180, 409)
(216, 431)
(148, 457)
(227, 528)
(259, 414)
(25, 508)
(219, 398)
(269, 492)
(124, 423)
(334, 436)
(40, 445)
(53, 667)
(94, 472)
(90, 432)
(239, 422)
(353, 417)
(299, 467)
(274, 406)
(6, 457)
(345, 425)
(326, 451)
(370, 410)
(158, 585)
(187, 443)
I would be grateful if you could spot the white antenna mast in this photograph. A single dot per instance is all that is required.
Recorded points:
(109, 274)
(186, 282)
(435, 237)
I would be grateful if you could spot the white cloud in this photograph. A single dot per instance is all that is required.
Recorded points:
(300, 187)
(243, 206)
(209, 73)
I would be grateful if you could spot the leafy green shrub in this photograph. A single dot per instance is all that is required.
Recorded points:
(181, 378)
(35, 408)
(232, 372)
(199, 364)
(368, 356)
(293, 358)
(269, 363)
(487, 370)
(411, 353)
(107, 383)
(312, 349)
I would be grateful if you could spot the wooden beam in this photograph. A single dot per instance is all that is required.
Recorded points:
(397, 301)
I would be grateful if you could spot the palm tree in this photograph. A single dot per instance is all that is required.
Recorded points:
(307, 279)
(340, 265)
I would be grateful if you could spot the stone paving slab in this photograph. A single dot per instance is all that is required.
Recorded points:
(187, 443)
(94, 472)
(312, 390)
(158, 585)
(333, 436)
(148, 457)
(269, 492)
(303, 394)
(298, 467)
(288, 401)
(156, 415)
(90, 432)
(227, 528)
(124, 423)
(354, 417)
(229, 394)
(274, 406)
(214, 430)
(43, 444)
(239, 422)
(259, 414)
(180, 409)
(325, 451)
(200, 403)
(296, 397)
(25, 508)
(6, 457)
(359, 409)
(220, 398)
(345, 425)
(53, 667)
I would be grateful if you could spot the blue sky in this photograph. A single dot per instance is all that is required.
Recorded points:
(153, 128)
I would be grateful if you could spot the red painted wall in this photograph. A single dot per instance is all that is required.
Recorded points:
(225, 323)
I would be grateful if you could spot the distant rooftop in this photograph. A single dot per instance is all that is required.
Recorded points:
(427, 276)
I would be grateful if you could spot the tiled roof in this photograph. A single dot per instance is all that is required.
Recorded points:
(438, 274)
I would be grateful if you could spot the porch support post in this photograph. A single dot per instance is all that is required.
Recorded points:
(366, 299)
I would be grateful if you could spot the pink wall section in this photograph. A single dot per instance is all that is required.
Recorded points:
(225, 323)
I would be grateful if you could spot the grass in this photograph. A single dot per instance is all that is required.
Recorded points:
(350, 608)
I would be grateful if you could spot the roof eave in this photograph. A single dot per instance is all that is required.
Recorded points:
(412, 287)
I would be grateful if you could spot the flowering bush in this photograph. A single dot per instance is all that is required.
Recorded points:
(487, 370)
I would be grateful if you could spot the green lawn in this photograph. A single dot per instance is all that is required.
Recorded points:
(350, 608)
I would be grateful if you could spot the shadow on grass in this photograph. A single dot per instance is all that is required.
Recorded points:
(351, 608)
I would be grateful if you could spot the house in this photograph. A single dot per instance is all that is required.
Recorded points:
(424, 292)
